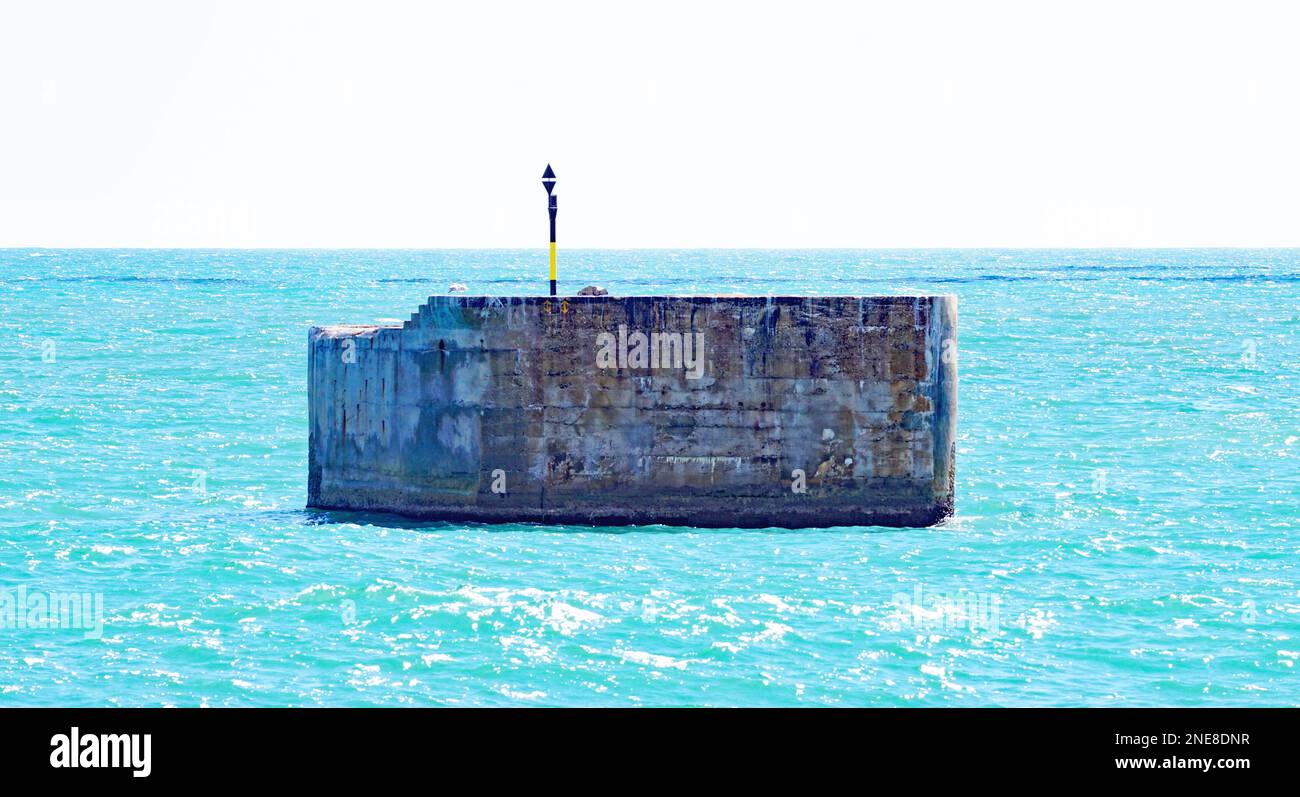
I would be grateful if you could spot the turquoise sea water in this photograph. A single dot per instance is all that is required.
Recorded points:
(1127, 528)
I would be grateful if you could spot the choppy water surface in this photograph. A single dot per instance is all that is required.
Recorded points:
(1128, 486)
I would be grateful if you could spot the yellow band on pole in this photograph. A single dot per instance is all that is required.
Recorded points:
(552, 259)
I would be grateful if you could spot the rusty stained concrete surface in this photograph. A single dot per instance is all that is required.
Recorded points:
(859, 393)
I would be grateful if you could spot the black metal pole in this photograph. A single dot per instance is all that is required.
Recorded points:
(552, 209)
(548, 180)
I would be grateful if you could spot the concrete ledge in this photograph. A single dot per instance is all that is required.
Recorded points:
(696, 411)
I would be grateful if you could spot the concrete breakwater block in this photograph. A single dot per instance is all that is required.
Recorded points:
(708, 411)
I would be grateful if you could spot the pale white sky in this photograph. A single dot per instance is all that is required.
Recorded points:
(787, 124)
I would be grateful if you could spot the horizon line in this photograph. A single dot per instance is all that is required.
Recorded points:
(543, 247)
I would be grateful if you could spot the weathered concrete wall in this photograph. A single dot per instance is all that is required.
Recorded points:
(497, 409)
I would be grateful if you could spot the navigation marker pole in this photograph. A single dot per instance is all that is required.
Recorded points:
(548, 180)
